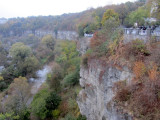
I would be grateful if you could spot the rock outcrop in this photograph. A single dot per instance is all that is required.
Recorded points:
(95, 99)
(83, 44)
(62, 35)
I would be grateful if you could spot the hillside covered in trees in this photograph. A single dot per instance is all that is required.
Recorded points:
(23, 55)
(88, 20)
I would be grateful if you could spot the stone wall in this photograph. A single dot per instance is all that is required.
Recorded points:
(145, 35)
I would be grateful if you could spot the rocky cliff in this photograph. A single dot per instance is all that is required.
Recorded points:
(62, 35)
(83, 44)
(95, 99)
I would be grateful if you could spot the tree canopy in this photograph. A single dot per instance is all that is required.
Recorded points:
(110, 13)
(138, 16)
(44, 103)
(49, 41)
(19, 51)
(19, 94)
(23, 59)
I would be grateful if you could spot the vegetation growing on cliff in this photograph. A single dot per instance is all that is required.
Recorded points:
(22, 56)
(64, 79)
(141, 97)
(105, 41)
(56, 99)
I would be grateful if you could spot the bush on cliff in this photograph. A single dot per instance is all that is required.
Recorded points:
(141, 96)
(72, 78)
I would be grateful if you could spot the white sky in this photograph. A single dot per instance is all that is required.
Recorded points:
(24, 8)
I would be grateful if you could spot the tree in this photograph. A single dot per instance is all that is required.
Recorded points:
(123, 11)
(156, 8)
(52, 102)
(68, 57)
(81, 29)
(43, 54)
(19, 51)
(30, 40)
(110, 13)
(3, 55)
(98, 14)
(138, 16)
(44, 103)
(29, 66)
(38, 105)
(49, 41)
(72, 78)
(19, 94)
(90, 28)
(24, 61)
(8, 116)
(55, 77)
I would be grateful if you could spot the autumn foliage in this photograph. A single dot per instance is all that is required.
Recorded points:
(153, 73)
(142, 96)
(96, 40)
(139, 69)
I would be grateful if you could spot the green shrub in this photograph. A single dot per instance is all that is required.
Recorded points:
(44, 103)
(139, 47)
(85, 61)
(55, 113)
(72, 117)
(24, 114)
(72, 78)
(81, 117)
(52, 101)
(72, 104)
(38, 105)
(69, 117)
(8, 116)
(3, 86)
(53, 79)
(102, 50)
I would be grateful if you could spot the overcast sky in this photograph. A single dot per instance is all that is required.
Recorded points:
(24, 8)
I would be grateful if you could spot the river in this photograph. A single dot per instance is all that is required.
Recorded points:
(41, 78)
(36, 83)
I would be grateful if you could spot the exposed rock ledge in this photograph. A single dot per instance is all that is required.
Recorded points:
(95, 99)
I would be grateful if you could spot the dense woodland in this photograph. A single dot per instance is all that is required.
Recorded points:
(21, 56)
(88, 20)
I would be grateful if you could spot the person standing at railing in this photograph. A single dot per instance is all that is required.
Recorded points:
(135, 25)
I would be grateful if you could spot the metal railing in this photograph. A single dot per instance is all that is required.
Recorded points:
(138, 31)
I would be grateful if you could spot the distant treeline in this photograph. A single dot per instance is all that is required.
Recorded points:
(71, 21)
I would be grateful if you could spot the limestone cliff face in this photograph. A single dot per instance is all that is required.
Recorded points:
(62, 35)
(83, 44)
(95, 99)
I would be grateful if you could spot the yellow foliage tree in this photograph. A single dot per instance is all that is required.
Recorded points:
(1, 78)
(110, 13)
